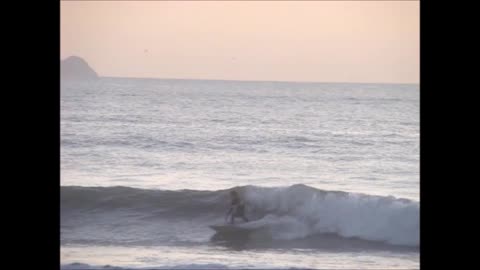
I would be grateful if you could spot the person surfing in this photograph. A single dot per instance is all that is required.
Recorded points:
(237, 208)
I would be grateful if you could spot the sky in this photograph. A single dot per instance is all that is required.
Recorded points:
(313, 41)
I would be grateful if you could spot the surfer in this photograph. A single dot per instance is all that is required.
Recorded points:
(237, 208)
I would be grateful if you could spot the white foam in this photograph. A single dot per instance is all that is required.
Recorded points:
(300, 211)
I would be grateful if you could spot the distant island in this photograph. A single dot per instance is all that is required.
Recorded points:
(76, 68)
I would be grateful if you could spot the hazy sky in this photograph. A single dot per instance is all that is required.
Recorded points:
(347, 41)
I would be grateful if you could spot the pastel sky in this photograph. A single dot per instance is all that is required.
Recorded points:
(320, 41)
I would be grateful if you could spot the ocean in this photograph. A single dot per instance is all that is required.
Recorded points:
(329, 173)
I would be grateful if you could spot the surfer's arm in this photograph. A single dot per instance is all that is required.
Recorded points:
(230, 210)
(228, 213)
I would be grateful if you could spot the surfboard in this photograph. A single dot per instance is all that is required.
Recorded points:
(230, 228)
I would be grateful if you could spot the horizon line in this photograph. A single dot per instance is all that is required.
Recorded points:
(247, 80)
